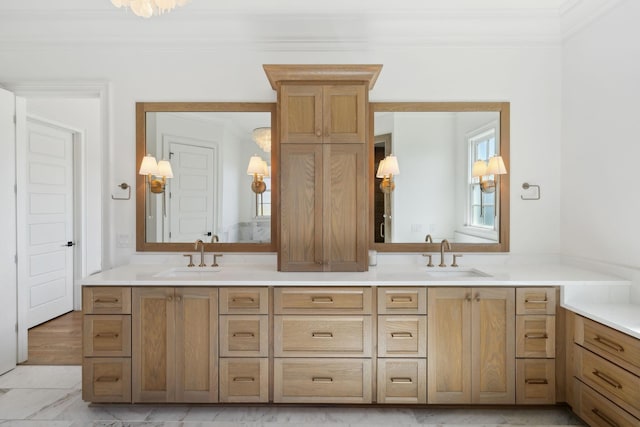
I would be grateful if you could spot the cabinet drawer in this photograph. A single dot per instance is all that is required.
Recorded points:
(619, 385)
(402, 336)
(535, 301)
(106, 300)
(106, 380)
(402, 381)
(535, 381)
(244, 335)
(608, 343)
(322, 300)
(244, 380)
(323, 336)
(322, 381)
(402, 300)
(244, 301)
(535, 336)
(598, 411)
(106, 335)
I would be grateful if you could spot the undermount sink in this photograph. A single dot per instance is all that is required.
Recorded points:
(455, 273)
(188, 272)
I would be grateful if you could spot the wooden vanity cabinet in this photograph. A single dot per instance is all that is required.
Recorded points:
(471, 346)
(175, 344)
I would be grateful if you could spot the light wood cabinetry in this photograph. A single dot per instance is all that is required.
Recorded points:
(535, 346)
(175, 350)
(402, 345)
(607, 375)
(106, 337)
(471, 357)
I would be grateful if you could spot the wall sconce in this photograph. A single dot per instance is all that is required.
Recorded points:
(494, 167)
(259, 169)
(152, 168)
(262, 137)
(387, 168)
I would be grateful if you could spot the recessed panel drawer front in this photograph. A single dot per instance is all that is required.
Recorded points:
(106, 300)
(244, 380)
(244, 336)
(322, 300)
(402, 381)
(619, 385)
(402, 300)
(244, 301)
(535, 381)
(106, 380)
(535, 336)
(107, 335)
(598, 411)
(322, 381)
(609, 343)
(535, 301)
(322, 336)
(402, 336)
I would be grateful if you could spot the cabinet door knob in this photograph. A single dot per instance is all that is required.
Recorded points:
(318, 133)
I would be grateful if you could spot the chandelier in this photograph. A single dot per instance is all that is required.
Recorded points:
(262, 137)
(148, 8)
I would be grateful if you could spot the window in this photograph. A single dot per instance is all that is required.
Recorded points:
(483, 144)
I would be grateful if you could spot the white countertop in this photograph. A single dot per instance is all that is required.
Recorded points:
(602, 297)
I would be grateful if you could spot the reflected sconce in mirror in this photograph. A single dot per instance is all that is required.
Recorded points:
(259, 169)
(152, 168)
(262, 137)
(483, 169)
(387, 168)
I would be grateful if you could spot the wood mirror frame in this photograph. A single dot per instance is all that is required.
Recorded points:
(144, 107)
(503, 109)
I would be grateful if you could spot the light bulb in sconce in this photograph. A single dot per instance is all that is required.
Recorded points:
(387, 168)
(482, 169)
(150, 167)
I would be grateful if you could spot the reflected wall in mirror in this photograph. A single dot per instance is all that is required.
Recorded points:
(435, 193)
(221, 191)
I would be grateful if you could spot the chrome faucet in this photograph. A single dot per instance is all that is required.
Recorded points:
(444, 243)
(199, 241)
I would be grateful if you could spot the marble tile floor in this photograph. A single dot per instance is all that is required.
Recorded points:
(51, 396)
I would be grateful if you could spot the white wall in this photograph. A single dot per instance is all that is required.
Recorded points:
(601, 143)
(528, 77)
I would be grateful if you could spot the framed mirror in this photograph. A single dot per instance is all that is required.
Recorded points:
(204, 172)
(446, 179)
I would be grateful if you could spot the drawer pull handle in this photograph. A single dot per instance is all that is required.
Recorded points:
(243, 335)
(536, 301)
(607, 379)
(401, 335)
(401, 299)
(322, 300)
(243, 300)
(107, 335)
(108, 379)
(243, 379)
(536, 381)
(536, 336)
(607, 343)
(322, 334)
(605, 418)
(322, 379)
(105, 300)
(401, 380)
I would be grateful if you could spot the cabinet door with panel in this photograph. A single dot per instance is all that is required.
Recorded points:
(174, 351)
(471, 342)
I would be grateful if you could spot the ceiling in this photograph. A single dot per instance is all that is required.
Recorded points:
(298, 24)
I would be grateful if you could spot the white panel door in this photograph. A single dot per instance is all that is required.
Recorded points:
(45, 222)
(8, 311)
(192, 193)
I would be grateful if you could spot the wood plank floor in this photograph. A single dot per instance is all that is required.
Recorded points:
(57, 342)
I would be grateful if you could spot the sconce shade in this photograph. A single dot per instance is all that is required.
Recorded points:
(149, 166)
(479, 168)
(266, 170)
(496, 166)
(256, 166)
(164, 169)
(379, 173)
(388, 166)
